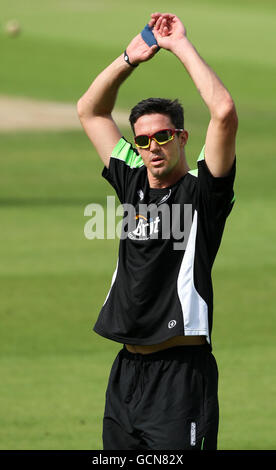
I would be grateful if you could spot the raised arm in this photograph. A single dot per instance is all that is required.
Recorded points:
(96, 105)
(221, 134)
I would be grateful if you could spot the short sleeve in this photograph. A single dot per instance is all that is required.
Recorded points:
(215, 194)
(124, 160)
(214, 202)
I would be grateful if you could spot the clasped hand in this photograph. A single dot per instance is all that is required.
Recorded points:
(167, 29)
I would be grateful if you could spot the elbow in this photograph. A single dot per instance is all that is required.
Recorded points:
(88, 110)
(84, 110)
(80, 108)
(227, 114)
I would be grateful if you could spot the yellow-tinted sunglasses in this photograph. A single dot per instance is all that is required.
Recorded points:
(161, 137)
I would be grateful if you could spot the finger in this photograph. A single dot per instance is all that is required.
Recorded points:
(168, 15)
(169, 24)
(154, 18)
(163, 25)
(154, 48)
(170, 18)
(165, 31)
(158, 23)
(152, 51)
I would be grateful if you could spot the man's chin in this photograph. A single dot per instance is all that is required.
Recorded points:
(159, 172)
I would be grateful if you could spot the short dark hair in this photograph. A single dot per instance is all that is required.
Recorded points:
(171, 108)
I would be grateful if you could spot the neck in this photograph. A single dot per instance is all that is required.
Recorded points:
(163, 181)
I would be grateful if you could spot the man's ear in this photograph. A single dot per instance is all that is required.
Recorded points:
(183, 137)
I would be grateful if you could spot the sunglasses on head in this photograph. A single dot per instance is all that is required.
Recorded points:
(161, 137)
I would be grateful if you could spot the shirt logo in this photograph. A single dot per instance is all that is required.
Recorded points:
(171, 324)
(145, 229)
(165, 198)
(193, 434)
(140, 194)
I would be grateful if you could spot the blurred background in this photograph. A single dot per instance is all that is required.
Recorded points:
(54, 368)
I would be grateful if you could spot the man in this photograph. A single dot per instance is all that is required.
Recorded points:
(162, 390)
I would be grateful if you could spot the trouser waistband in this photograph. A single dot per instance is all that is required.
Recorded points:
(174, 352)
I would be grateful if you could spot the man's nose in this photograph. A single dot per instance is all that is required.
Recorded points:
(154, 145)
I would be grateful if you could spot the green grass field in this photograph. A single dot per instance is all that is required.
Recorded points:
(54, 368)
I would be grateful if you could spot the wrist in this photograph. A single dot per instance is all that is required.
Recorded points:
(179, 46)
(127, 60)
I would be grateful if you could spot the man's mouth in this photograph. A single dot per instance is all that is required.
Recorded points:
(156, 160)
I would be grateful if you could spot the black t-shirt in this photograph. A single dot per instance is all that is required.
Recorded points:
(162, 284)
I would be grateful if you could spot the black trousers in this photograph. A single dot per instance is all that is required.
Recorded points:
(164, 400)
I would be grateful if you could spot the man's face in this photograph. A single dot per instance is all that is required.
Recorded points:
(159, 159)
